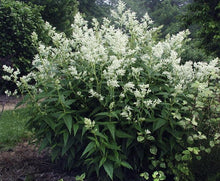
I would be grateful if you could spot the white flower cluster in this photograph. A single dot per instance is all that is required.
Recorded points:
(117, 59)
(127, 113)
(88, 123)
(152, 103)
(95, 94)
(13, 74)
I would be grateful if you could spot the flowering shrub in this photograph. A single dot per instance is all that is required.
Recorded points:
(114, 102)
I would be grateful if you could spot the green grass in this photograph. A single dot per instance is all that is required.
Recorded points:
(12, 128)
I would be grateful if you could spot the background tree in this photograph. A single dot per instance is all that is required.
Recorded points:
(204, 17)
(59, 13)
(162, 12)
(94, 9)
(17, 22)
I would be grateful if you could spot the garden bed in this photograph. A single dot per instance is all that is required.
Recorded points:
(25, 163)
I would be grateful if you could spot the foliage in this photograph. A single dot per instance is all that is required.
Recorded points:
(167, 13)
(93, 9)
(117, 104)
(17, 22)
(193, 53)
(205, 14)
(59, 13)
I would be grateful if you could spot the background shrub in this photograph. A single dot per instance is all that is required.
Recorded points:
(59, 13)
(17, 22)
(116, 103)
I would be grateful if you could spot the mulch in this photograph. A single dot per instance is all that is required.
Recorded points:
(25, 163)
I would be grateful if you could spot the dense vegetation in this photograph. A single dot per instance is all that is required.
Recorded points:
(201, 17)
(59, 13)
(118, 97)
(115, 102)
(17, 22)
(205, 16)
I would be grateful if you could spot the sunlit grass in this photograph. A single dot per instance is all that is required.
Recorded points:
(12, 127)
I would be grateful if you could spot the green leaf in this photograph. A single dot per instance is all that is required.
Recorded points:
(103, 114)
(198, 157)
(140, 139)
(162, 165)
(97, 109)
(109, 169)
(212, 144)
(65, 138)
(185, 157)
(107, 114)
(122, 134)
(129, 142)
(112, 146)
(154, 163)
(145, 175)
(102, 161)
(186, 152)
(126, 165)
(178, 157)
(69, 102)
(50, 123)
(158, 124)
(68, 146)
(208, 150)
(48, 136)
(80, 177)
(62, 99)
(190, 140)
(83, 131)
(75, 129)
(68, 121)
(101, 135)
(89, 147)
(153, 150)
(111, 128)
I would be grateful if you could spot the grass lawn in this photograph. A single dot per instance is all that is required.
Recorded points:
(12, 128)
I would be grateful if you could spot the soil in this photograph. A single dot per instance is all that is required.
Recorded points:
(26, 163)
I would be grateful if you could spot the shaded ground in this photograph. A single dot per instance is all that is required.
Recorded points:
(25, 163)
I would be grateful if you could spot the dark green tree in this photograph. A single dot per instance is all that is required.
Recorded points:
(204, 17)
(59, 13)
(17, 23)
(167, 13)
(94, 9)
